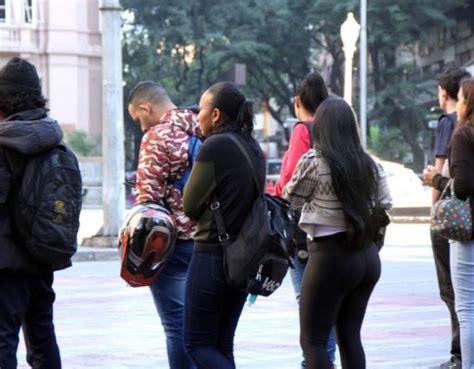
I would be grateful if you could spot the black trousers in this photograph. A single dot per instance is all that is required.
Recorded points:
(26, 300)
(443, 271)
(336, 288)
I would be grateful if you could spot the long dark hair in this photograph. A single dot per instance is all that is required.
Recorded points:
(353, 172)
(467, 89)
(312, 91)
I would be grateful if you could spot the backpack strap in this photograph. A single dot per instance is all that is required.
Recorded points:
(308, 126)
(448, 117)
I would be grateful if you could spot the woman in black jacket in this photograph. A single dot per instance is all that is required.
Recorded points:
(461, 169)
(220, 175)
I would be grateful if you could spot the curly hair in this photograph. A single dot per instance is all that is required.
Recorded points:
(12, 103)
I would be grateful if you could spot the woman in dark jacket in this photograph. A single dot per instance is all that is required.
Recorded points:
(461, 169)
(220, 175)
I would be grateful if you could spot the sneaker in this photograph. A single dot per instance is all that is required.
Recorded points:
(453, 363)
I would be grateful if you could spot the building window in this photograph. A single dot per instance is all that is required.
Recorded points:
(28, 11)
(3, 11)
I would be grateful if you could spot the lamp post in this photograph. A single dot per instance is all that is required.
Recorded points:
(349, 35)
(363, 72)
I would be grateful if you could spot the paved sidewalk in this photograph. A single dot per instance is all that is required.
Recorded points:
(103, 324)
(91, 222)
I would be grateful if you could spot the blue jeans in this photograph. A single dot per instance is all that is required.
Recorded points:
(212, 311)
(297, 277)
(168, 295)
(462, 269)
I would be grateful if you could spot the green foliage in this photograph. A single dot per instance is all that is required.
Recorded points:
(82, 144)
(189, 45)
(388, 144)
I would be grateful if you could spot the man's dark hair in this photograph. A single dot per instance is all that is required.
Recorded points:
(148, 91)
(12, 103)
(451, 79)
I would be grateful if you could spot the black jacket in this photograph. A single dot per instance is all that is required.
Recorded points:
(222, 173)
(21, 135)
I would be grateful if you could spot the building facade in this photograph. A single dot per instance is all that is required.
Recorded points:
(62, 38)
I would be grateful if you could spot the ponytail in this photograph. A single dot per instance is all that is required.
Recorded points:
(232, 103)
(244, 119)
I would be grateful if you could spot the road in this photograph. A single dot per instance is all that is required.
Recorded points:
(102, 323)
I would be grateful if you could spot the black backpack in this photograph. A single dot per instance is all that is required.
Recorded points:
(45, 209)
(299, 247)
(257, 260)
(193, 149)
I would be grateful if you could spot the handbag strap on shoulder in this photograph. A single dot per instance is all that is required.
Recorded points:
(245, 153)
(215, 206)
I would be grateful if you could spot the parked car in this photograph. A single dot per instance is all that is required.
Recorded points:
(405, 186)
(273, 174)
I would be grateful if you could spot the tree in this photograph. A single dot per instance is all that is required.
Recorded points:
(189, 45)
(391, 27)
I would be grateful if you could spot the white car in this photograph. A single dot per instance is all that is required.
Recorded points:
(405, 186)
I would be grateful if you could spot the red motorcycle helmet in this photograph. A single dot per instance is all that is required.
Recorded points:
(147, 240)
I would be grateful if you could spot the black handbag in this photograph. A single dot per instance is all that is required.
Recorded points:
(257, 260)
(381, 220)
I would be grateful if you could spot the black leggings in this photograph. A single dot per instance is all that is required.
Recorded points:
(336, 287)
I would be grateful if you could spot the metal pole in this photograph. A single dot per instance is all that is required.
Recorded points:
(349, 55)
(349, 35)
(113, 154)
(363, 72)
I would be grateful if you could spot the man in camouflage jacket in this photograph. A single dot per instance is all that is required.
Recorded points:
(162, 161)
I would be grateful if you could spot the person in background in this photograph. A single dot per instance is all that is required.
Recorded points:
(448, 88)
(337, 185)
(26, 286)
(163, 159)
(222, 177)
(461, 169)
(310, 93)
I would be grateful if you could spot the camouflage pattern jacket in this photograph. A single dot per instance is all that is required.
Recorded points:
(163, 159)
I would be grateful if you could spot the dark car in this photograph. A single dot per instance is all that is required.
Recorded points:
(273, 174)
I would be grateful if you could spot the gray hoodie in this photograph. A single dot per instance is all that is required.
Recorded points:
(21, 135)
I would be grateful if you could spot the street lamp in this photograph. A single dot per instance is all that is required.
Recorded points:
(363, 72)
(349, 34)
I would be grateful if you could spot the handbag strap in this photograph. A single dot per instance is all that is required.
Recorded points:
(223, 236)
(245, 153)
(450, 186)
(215, 206)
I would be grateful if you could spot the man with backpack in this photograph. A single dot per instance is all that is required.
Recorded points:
(26, 280)
(168, 149)
(448, 87)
